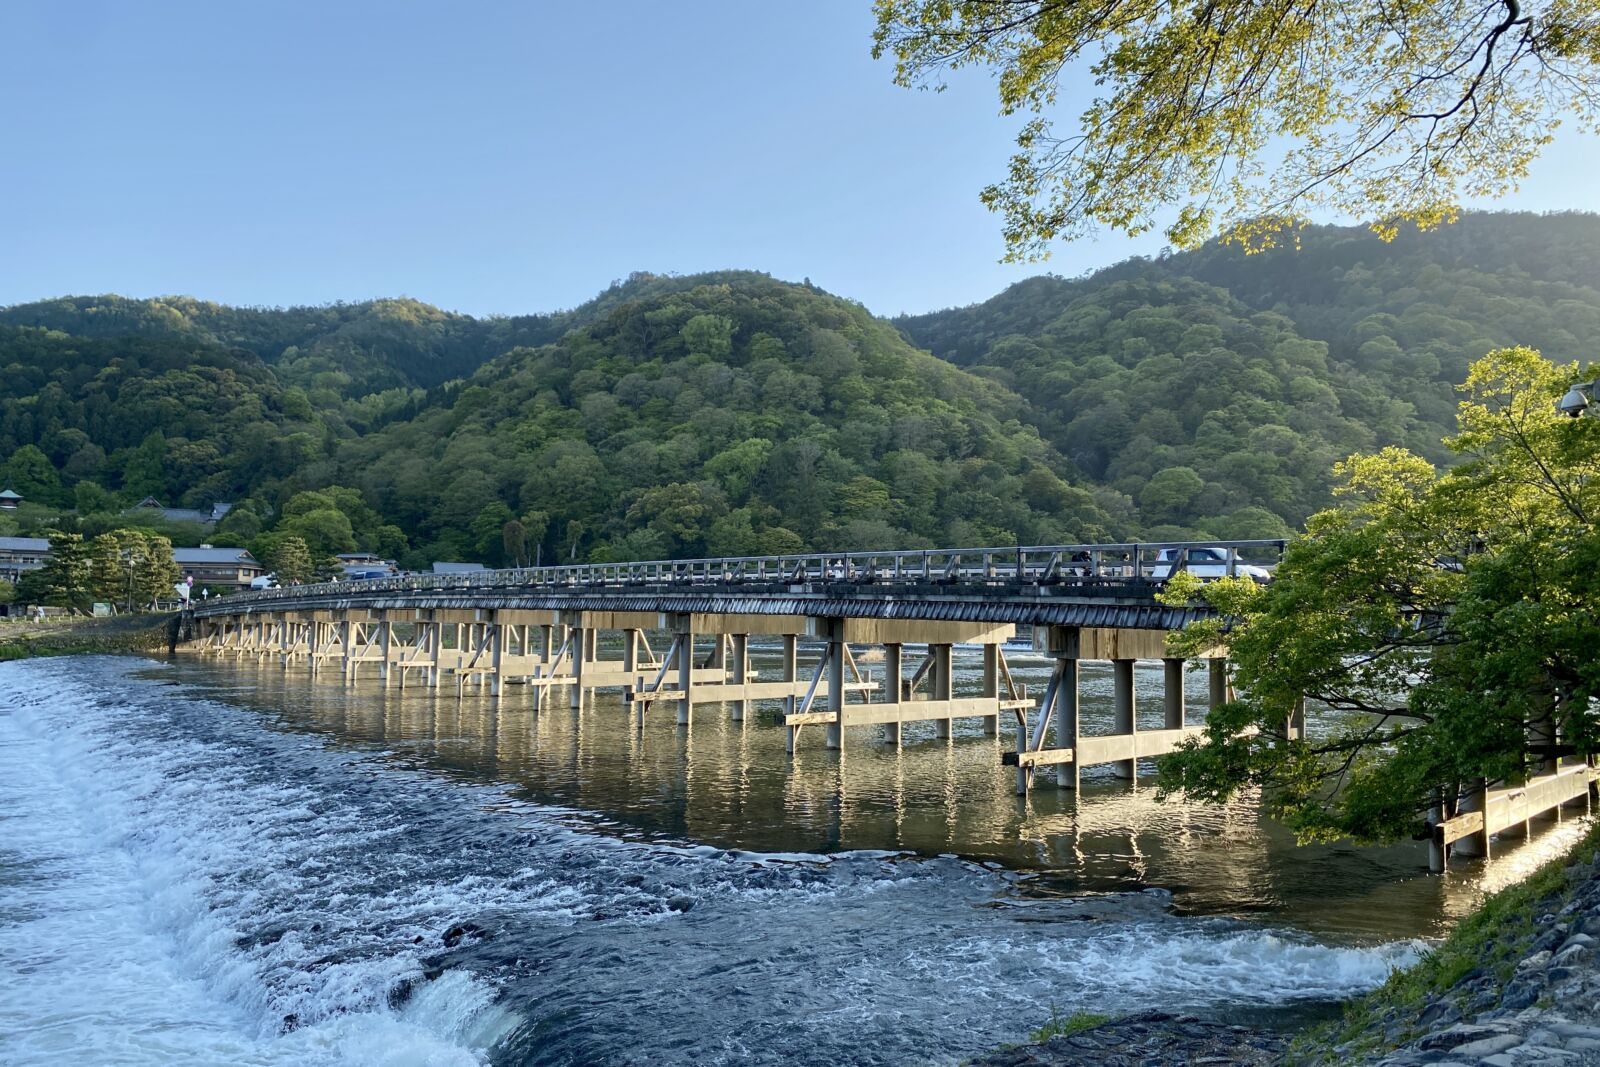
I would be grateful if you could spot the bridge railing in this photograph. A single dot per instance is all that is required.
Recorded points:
(1041, 564)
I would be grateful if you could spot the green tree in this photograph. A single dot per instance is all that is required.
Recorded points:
(514, 542)
(8, 592)
(89, 498)
(537, 525)
(32, 588)
(1169, 494)
(65, 575)
(291, 561)
(155, 571)
(488, 532)
(1447, 625)
(325, 531)
(29, 472)
(108, 577)
(144, 468)
(1240, 115)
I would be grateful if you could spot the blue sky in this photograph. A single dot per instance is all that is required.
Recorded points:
(504, 158)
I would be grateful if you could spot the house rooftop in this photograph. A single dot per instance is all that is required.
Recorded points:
(207, 554)
(24, 544)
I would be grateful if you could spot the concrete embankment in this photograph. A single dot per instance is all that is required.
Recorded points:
(1518, 982)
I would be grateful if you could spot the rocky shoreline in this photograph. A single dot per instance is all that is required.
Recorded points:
(1518, 983)
(1545, 1010)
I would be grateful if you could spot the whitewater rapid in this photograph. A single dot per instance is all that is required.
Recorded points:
(185, 881)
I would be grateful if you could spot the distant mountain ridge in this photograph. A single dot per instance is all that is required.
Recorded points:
(391, 342)
(1206, 393)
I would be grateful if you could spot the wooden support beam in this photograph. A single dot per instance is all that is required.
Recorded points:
(907, 711)
(1107, 748)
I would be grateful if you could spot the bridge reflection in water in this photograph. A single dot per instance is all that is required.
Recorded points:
(861, 644)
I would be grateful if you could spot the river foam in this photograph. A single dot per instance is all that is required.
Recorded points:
(183, 882)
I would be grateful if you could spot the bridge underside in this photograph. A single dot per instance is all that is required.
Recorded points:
(692, 658)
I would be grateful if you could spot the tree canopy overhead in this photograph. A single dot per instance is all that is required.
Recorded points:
(1242, 116)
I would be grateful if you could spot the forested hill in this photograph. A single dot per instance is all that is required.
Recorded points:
(726, 418)
(345, 350)
(1206, 393)
(1208, 371)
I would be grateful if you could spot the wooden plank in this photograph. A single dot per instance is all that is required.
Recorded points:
(1463, 825)
(1514, 805)
(1113, 748)
(903, 711)
(1039, 757)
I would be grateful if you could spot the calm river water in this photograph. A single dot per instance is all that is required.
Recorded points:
(220, 864)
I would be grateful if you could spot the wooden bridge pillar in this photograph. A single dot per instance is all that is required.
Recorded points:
(789, 672)
(939, 684)
(1068, 775)
(1124, 708)
(739, 647)
(1217, 679)
(1173, 695)
(835, 655)
(347, 633)
(685, 675)
(497, 657)
(630, 662)
(582, 640)
(541, 670)
(991, 685)
(893, 688)
(435, 649)
(386, 651)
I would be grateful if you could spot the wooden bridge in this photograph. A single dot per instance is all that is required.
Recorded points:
(686, 628)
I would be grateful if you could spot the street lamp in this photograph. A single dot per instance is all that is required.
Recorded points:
(1580, 400)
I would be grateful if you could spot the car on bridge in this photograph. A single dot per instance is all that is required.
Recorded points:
(1205, 563)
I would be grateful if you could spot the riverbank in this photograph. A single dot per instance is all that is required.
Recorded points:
(1518, 981)
(82, 636)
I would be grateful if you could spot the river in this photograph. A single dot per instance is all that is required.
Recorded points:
(206, 863)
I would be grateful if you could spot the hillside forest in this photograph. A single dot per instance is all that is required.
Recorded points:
(1199, 394)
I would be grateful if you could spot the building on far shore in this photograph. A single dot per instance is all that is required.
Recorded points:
(10, 500)
(219, 568)
(205, 517)
(457, 568)
(19, 554)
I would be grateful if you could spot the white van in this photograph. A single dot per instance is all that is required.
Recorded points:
(1206, 563)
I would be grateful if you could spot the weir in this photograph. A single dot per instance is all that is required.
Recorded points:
(864, 640)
